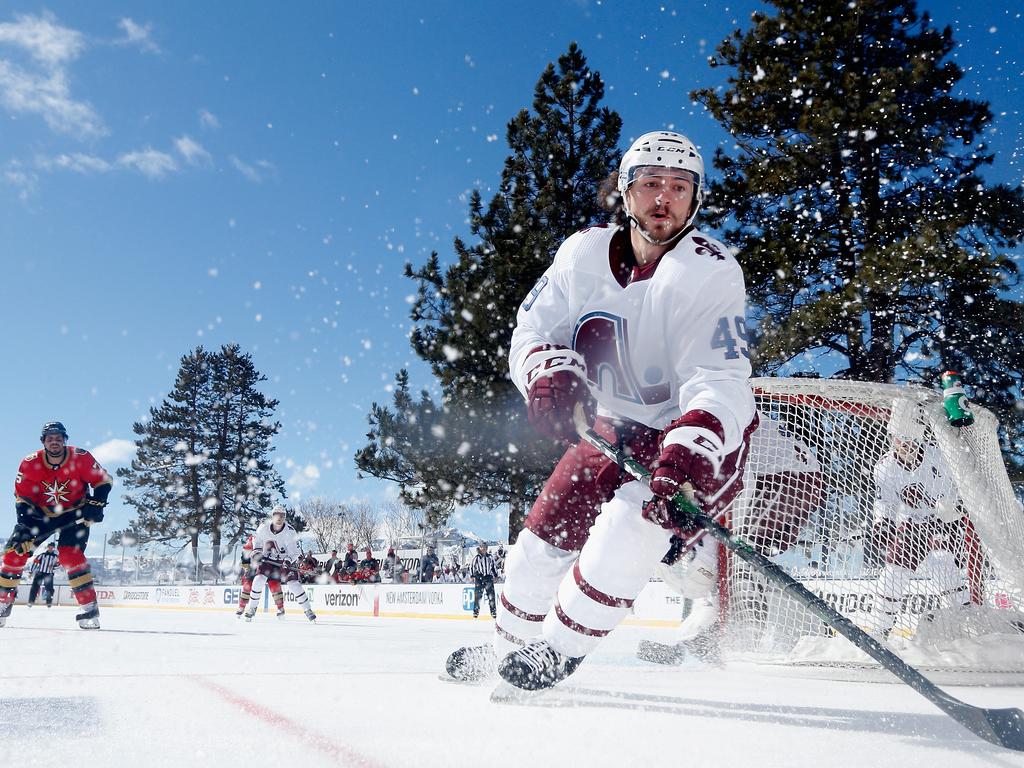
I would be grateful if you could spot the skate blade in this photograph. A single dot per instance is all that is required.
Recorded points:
(506, 693)
(89, 624)
(477, 682)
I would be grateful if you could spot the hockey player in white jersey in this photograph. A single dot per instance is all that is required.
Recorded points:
(919, 518)
(642, 325)
(783, 487)
(275, 550)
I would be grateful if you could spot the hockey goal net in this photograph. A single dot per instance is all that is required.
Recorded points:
(819, 517)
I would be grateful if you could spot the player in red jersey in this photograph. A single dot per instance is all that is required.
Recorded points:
(248, 575)
(59, 489)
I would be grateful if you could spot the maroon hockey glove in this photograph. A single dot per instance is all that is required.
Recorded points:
(557, 380)
(691, 456)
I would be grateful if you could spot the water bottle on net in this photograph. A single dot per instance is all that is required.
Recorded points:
(954, 399)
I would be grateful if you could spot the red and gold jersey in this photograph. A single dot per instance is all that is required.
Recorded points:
(247, 551)
(58, 488)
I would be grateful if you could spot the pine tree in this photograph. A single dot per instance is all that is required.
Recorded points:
(202, 463)
(864, 227)
(473, 446)
(246, 482)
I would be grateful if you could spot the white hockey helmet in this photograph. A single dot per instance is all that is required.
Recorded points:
(905, 421)
(662, 149)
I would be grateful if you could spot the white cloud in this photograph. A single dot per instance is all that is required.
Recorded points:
(303, 479)
(193, 152)
(43, 39)
(149, 162)
(255, 172)
(137, 34)
(208, 120)
(114, 453)
(43, 89)
(79, 162)
(24, 181)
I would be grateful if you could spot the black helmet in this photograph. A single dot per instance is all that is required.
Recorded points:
(53, 428)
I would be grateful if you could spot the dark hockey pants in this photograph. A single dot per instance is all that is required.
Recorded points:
(44, 580)
(483, 583)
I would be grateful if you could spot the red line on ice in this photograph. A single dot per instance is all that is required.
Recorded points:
(286, 724)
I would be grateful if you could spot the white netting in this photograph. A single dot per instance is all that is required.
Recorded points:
(811, 503)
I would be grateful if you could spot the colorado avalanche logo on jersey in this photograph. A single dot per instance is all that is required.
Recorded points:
(603, 340)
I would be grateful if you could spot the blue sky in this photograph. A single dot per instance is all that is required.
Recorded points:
(176, 174)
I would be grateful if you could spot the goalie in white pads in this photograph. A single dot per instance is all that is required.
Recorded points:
(644, 326)
(919, 521)
(783, 488)
(275, 550)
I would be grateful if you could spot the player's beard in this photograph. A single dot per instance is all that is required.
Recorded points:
(663, 229)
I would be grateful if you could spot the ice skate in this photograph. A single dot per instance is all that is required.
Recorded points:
(5, 611)
(89, 619)
(249, 612)
(537, 666)
(701, 631)
(661, 653)
(29, 605)
(468, 665)
(239, 612)
(280, 614)
(309, 614)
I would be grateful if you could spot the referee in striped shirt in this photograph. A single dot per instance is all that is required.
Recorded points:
(483, 572)
(42, 574)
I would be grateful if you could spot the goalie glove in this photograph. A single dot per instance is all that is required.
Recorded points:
(556, 380)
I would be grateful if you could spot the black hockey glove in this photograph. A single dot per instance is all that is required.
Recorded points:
(92, 509)
(28, 514)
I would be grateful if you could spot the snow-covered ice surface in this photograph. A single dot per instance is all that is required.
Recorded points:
(163, 688)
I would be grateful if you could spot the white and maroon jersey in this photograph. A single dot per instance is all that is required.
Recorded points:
(911, 494)
(280, 546)
(774, 449)
(658, 341)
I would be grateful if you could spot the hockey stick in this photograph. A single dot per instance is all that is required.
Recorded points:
(1004, 727)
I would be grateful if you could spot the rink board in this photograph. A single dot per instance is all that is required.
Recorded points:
(657, 605)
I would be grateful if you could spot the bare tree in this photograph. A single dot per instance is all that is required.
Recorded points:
(361, 522)
(400, 520)
(324, 522)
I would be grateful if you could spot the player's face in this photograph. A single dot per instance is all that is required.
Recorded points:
(906, 450)
(661, 202)
(277, 520)
(54, 444)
